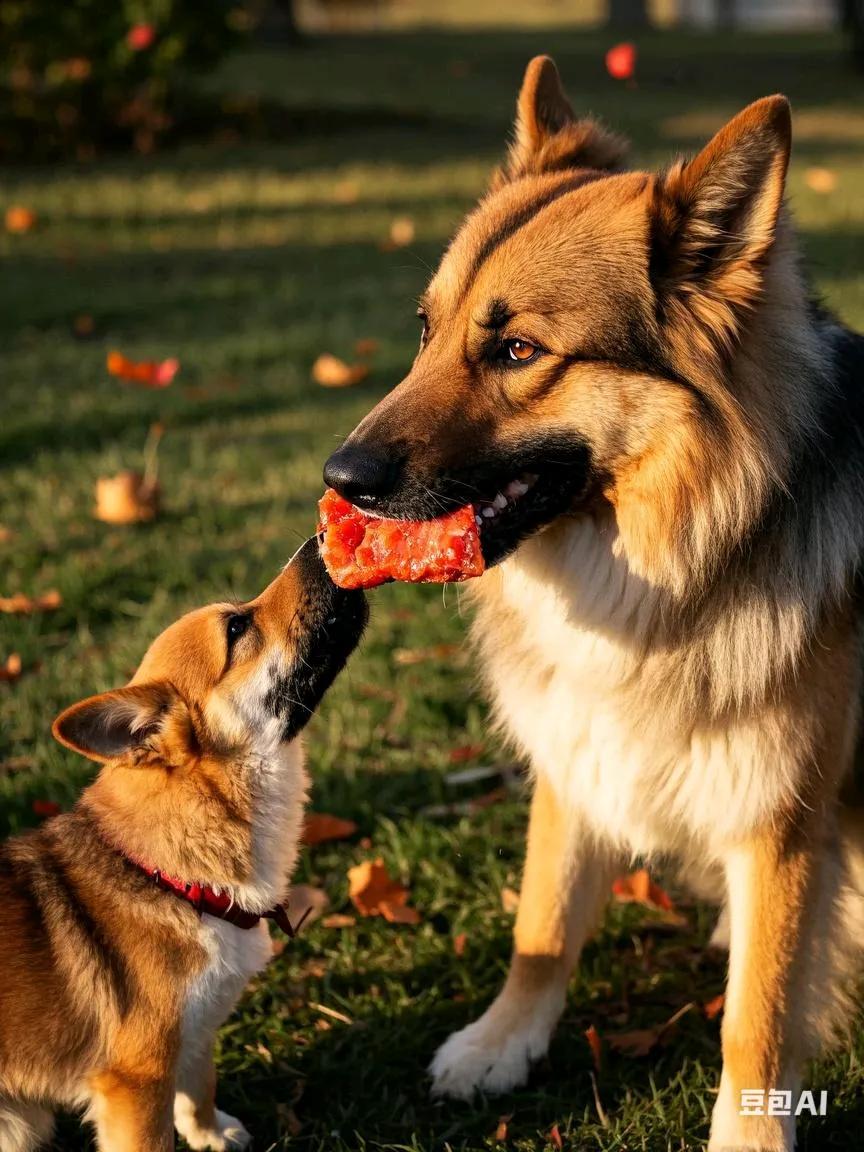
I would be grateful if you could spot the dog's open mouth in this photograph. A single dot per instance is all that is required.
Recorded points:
(523, 505)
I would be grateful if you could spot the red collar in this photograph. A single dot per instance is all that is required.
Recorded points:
(219, 904)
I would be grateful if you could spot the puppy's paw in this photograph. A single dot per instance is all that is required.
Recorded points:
(487, 1058)
(227, 1135)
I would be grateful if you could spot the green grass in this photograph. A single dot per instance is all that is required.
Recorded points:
(243, 260)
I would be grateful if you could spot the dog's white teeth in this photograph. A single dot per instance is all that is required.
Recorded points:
(487, 511)
(515, 489)
(500, 502)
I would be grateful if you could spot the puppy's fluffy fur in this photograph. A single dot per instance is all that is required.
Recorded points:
(111, 990)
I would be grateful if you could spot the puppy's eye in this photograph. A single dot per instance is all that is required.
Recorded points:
(519, 351)
(235, 626)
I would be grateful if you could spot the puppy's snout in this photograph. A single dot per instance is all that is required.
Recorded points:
(360, 475)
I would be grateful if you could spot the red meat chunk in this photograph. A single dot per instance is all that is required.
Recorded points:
(361, 551)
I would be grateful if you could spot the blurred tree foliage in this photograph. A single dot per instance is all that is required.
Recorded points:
(78, 76)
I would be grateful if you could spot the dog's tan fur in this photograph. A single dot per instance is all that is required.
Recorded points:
(111, 990)
(679, 656)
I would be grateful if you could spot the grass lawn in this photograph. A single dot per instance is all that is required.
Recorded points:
(246, 260)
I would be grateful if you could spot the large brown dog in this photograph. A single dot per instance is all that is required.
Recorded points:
(664, 439)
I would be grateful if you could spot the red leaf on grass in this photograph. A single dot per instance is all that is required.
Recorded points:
(621, 61)
(320, 827)
(594, 1043)
(331, 372)
(45, 808)
(555, 1137)
(713, 1008)
(147, 373)
(642, 1041)
(459, 942)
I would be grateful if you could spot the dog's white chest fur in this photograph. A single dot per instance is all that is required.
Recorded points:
(558, 633)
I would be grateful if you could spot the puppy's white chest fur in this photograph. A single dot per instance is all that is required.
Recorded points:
(558, 628)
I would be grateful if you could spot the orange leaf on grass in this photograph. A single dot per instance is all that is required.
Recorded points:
(593, 1038)
(555, 1137)
(10, 671)
(21, 605)
(642, 1041)
(621, 61)
(320, 827)
(20, 219)
(822, 180)
(148, 373)
(713, 1008)
(127, 498)
(402, 233)
(373, 892)
(331, 372)
(501, 1130)
(459, 942)
(639, 888)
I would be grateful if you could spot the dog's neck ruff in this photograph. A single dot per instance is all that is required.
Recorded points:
(221, 905)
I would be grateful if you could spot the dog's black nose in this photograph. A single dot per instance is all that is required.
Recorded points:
(360, 476)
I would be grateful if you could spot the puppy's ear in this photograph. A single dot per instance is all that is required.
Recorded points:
(547, 137)
(113, 723)
(715, 218)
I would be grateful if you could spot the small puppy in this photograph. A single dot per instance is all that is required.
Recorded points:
(130, 925)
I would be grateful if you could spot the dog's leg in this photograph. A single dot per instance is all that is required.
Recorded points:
(781, 892)
(564, 888)
(23, 1127)
(196, 1116)
(132, 1114)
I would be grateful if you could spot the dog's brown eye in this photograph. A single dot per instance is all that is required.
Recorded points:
(520, 351)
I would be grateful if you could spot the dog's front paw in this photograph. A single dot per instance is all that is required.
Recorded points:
(227, 1135)
(486, 1057)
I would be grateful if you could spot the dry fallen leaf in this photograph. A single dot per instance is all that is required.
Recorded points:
(374, 892)
(306, 903)
(639, 888)
(642, 1041)
(593, 1038)
(509, 899)
(346, 192)
(501, 1130)
(21, 605)
(148, 373)
(713, 1008)
(821, 180)
(459, 942)
(405, 657)
(320, 827)
(127, 498)
(555, 1137)
(339, 920)
(10, 671)
(6, 534)
(20, 219)
(331, 372)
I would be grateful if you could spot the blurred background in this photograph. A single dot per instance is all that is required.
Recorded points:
(214, 221)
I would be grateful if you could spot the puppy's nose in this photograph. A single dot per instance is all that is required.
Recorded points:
(360, 475)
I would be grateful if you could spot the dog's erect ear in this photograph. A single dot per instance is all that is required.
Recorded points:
(113, 723)
(715, 217)
(547, 137)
